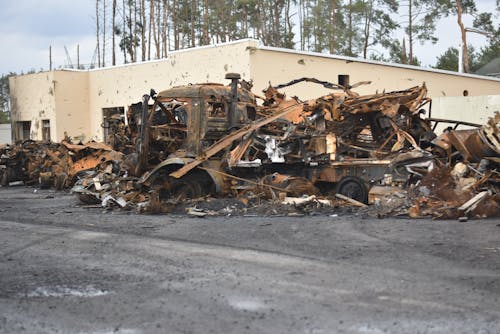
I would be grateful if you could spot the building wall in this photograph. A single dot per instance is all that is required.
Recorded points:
(281, 66)
(72, 106)
(5, 134)
(33, 99)
(73, 100)
(120, 86)
(474, 109)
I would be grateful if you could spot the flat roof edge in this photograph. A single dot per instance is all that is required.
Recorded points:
(152, 61)
(260, 46)
(375, 62)
(175, 52)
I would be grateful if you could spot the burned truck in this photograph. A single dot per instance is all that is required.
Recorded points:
(214, 139)
(225, 141)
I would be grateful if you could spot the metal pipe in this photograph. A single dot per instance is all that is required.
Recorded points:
(143, 142)
(460, 58)
(231, 115)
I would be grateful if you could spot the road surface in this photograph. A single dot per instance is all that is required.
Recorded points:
(65, 268)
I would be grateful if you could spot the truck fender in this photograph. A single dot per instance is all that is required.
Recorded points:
(216, 177)
(163, 164)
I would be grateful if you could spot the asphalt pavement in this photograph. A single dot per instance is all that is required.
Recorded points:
(67, 268)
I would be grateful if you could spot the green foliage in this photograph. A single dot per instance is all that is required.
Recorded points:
(4, 117)
(486, 55)
(484, 22)
(357, 28)
(4, 98)
(377, 23)
(448, 60)
(346, 27)
(396, 54)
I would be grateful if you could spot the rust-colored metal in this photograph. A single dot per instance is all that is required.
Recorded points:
(210, 139)
(228, 140)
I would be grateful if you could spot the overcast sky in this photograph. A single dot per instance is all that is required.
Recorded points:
(28, 27)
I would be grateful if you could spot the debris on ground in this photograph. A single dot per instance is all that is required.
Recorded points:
(198, 146)
(52, 164)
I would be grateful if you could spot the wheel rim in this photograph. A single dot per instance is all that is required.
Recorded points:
(354, 189)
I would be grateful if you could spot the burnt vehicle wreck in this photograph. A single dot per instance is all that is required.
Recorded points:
(210, 139)
(224, 141)
(206, 139)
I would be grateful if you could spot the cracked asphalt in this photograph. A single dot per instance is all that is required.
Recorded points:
(67, 268)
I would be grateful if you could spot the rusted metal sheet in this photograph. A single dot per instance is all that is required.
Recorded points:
(228, 140)
(52, 164)
(477, 144)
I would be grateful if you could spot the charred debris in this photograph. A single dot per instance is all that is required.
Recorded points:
(189, 146)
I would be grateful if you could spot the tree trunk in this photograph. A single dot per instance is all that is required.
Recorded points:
(134, 36)
(98, 33)
(277, 12)
(410, 31)
(349, 23)
(465, 52)
(175, 25)
(193, 35)
(368, 22)
(157, 30)
(151, 26)
(403, 58)
(113, 46)
(224, 25)
(165, 32)
(103, 33)
(143, 30)
(263, 30)
(206, 38)
(307, 32)
(124, 30)
(301, 23)
(246, 22)
(333, 24)
(288, 24)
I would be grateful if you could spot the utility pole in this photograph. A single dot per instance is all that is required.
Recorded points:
(78, 56)
(50, 57)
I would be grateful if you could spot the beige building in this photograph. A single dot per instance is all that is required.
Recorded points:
(5, 134)
(49, 104)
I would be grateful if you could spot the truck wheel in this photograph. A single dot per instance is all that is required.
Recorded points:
(185, 188)
(354, 188)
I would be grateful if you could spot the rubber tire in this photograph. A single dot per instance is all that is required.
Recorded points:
(186, 188)
(354, 188)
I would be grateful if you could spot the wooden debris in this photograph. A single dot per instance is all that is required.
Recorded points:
(350, 200)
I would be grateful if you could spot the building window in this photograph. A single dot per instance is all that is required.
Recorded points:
(113, 120)
(344, 80)
(23, 130)
(46, 130)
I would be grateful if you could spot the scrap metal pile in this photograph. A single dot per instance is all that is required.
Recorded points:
(467, 179)
(51, 164)
(212, 141)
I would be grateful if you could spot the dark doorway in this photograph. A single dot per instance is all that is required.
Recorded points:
(113, 121)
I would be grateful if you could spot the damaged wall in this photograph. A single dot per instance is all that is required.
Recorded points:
(282, 65)
(73, 100)
(33, 99)
(57, 97)
(5, 134)
(120, 86)
(474, 109)
(72, 105)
